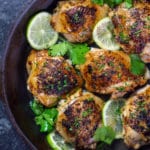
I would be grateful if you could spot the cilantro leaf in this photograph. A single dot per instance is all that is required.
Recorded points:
(105, 134)
(137, 66)
(36, 107)
(128, 3)
(59, 49)
(45, 118)
(77, 53)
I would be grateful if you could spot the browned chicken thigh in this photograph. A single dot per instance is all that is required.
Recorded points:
(75, 19)
(136, 119)
(78, 119)
(132, 28)
(50, 77)
(108, 72)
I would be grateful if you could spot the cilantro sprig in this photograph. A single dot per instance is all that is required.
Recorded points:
(104, 134)
(137, 65)
(44, 117)
(75, 52)
(114, 3)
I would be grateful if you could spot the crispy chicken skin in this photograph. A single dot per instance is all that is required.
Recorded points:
(132, 27)
(75, 19)
(136, 119)
(50, 77)
(107, 72)
(78, 119)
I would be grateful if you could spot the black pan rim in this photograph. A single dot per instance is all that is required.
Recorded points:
(4, 80)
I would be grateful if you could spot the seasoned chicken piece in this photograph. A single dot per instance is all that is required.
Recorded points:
(50, 77)
(108, 72)
(75, 19)
(136, 119)
(78, 119)
(132, 27)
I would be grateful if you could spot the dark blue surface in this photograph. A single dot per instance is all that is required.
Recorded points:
(10, 10)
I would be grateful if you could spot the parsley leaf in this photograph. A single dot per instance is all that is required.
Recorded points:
(76, 52)
(104, 134)
(137, 66)
(44, 117)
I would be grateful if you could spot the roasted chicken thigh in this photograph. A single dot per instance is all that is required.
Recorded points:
(132, 28)
(136, 119)
(108, 72)
(78, 119)
(50, 77)
(75, 19)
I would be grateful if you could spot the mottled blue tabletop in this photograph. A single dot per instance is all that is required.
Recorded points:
(9, 12)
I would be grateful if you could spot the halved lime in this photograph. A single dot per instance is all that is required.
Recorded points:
(112, 116)
(57, 142)
(40, 34)
(102, 35)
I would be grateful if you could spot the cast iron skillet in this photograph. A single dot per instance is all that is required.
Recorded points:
(14, 78)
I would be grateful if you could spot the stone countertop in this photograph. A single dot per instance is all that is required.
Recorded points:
(9, 12)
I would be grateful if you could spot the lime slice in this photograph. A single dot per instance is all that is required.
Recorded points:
(102, 35)
(112, 116)
(40, 34)
(56, 142)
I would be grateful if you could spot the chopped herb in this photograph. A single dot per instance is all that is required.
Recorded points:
(120, 89)
(91, 99)
(119, 75)
(104, 134)
(76, 122)
(87, 112)
(148, 18)
(137, 33)
(137, 65)
(101, 66)
(124, 38)
(111, 64)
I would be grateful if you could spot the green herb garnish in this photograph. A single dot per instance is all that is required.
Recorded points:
(44, 117)
(114, 3)
(104, 134)
(137, 65)
(76, 52)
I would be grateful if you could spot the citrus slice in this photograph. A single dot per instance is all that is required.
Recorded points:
(102, 35)
(112, 116)
(56, 142)
(40, 34)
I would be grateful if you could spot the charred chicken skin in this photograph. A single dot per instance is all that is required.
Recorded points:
(108, 72)
(50, 77)
(136, 119)
(132, 28)
(75, 19)
(78, 119)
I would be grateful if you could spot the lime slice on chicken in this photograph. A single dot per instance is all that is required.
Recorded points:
(56, 142)
(112, 116)
(102, 35)
(40, 34)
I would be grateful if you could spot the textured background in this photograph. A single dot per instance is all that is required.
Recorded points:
(10, 10)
